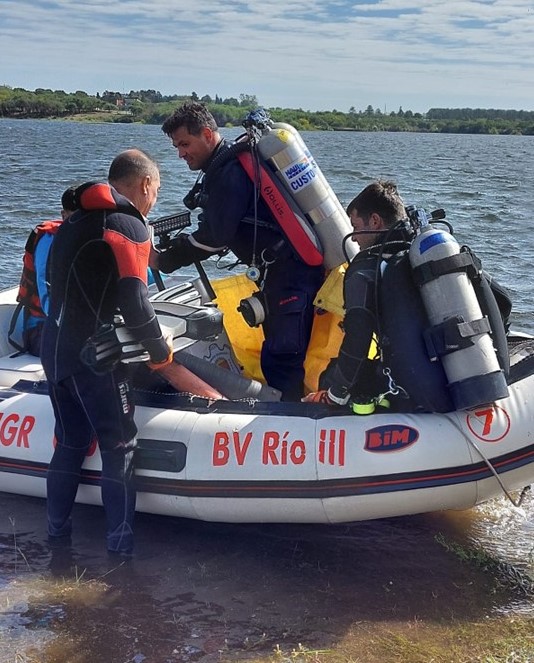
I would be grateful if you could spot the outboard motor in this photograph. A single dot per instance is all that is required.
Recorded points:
(460, 334)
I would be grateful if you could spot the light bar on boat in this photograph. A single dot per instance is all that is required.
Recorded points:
(168, 224)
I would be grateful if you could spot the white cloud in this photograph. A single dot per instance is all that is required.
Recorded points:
(411, 53)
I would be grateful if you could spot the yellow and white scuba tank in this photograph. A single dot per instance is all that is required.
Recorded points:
(460, 333)
(314, 213)
(284, 150)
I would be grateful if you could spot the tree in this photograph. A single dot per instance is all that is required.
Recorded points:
(248, 101)
(231, 101)
(111, 97)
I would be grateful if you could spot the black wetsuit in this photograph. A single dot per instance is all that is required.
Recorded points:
(352, 372)
(229, 208)
(384, 300)
(98, 266)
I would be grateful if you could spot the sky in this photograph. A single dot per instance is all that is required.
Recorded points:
(314, 55)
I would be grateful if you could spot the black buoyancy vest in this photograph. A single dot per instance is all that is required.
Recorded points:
(404, 323)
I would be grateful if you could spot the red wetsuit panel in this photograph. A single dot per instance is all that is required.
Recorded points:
(132, 257)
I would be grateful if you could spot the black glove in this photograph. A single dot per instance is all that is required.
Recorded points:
(177, 253)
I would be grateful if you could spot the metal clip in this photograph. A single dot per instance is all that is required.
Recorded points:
(393, 388)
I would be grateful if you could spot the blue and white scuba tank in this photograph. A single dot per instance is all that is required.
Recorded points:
(460, 334)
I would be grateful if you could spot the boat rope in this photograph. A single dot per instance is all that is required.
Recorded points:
(515, 502)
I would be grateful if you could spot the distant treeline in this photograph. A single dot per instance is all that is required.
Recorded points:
(151, 107)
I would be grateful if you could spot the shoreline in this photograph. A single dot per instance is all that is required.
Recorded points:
(400, 590)
(124, 118)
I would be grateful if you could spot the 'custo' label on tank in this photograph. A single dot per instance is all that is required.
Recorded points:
(300, 173)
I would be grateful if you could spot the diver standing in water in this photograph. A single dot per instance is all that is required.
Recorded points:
(98, 265)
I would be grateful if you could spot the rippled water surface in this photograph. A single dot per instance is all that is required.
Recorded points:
(485, 183)
(199, 591)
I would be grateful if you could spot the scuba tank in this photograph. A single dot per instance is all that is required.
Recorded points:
(284, 152)
(460, 333)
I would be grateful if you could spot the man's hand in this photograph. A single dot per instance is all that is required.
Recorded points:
(155, 366)
(318, 397)
(324, 396)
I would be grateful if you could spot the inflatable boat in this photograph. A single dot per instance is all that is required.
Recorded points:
(252, 458)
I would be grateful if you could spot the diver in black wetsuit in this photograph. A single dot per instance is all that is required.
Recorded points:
(98, 266)
(234, 218)
(375, 210)
(381, 298)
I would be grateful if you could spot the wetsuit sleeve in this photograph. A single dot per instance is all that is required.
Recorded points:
(228, 200)
(139, 317)
(130, 243)
(180, 253)
(359, 324)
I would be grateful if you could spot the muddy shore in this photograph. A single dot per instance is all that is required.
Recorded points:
(387, 590)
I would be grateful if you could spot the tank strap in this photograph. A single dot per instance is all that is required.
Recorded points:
(21, 347)
(464, 261)
(261, 223)
(453, 334)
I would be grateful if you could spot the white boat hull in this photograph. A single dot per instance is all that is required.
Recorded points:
(279, 462)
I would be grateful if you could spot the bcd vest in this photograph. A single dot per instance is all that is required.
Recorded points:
(28, 294)
(404, 329)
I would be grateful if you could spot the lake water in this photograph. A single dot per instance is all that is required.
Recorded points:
(486, 186)
(484, 183)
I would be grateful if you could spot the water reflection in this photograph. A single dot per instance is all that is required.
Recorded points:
(499, 536)
(200, 591)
